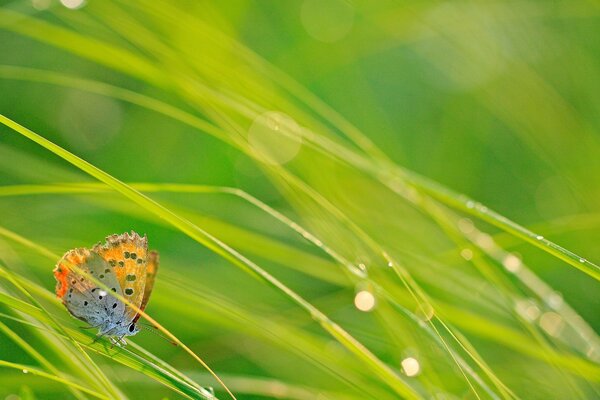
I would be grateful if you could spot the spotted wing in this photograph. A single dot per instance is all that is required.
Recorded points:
(80, 294)
(151, 270)
(127, 254)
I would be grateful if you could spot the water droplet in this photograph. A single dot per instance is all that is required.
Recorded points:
(467, 254)
(410, 366)
(390, 264)
(582, 260)
(484, 241)
(539, 237)
(470, 204)
(554, 300)
(552, 323)
(364, 301)
(512, 263)
(73, 4)
(25, 371)
(527, 309)
(102, 293)
(41, 4)
(425, 312)
(275, 137)
(593, 353)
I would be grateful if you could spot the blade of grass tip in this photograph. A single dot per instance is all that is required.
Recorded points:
(43, 251)
(29, 370)
(88, 362)
(387, 375)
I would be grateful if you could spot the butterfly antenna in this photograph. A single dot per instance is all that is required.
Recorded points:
(152, 329)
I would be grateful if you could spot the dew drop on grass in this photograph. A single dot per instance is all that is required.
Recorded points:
(593, 353)
(410, 366)
(485, 241)
(275, 137)
(527, 309)
(364, 301)
(512, 263)
(552, 323)
(73, 4)
(539, 237)
(467, 254)
(25, 371)
(582, 260)
(554, 300)
(41, 4)
(424, 312)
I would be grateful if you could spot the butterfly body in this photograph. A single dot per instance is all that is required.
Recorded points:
(124, 267)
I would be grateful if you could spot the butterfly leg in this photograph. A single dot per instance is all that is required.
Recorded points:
(103, 333)
(119, 341)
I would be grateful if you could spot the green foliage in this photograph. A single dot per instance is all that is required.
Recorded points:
(276, 155)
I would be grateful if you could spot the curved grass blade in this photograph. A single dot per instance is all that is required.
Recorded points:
(382, 370)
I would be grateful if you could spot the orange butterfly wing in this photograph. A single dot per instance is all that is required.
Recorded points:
(128, 253)
(151, 270)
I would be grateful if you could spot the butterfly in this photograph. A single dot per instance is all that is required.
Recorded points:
(125, 266)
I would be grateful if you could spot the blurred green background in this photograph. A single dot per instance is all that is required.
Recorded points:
(499, 101)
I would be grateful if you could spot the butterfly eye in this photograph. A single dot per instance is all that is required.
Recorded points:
(131, 327)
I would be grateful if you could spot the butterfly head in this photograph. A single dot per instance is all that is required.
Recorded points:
(132, 329)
